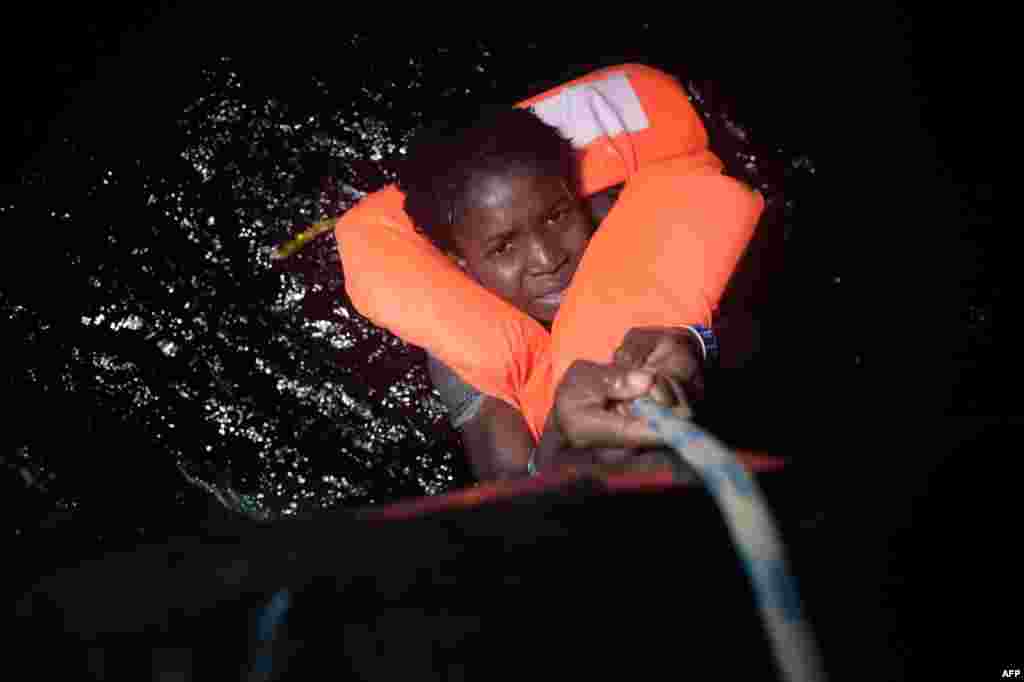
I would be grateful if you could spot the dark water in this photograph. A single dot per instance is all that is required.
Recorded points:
(160, 330)
(167, 150)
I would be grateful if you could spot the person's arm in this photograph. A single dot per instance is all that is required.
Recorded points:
(499, 444)
(497, 441)
(494, 434)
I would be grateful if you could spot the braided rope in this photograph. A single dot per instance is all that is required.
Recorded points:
(754, 534)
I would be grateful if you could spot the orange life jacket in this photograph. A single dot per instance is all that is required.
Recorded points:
(662, 256)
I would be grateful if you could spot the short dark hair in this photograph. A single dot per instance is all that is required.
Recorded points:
(445, 159)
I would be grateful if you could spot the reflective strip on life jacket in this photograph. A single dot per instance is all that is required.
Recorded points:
(623, 118)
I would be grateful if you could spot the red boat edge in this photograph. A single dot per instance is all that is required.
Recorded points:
(486, 493)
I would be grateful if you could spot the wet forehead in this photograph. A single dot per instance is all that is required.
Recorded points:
(511, 201)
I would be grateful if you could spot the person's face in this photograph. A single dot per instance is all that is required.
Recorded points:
(522, 237)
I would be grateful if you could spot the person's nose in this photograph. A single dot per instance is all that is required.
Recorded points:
(547, 252)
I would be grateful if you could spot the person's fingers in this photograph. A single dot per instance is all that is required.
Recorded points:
(673, 355)
(636, 346)
(588, 420)
(590, 384)
(662, 391)
(613, 456)
(665, 391)
(623, 358)
(624, 384)
(609, 429)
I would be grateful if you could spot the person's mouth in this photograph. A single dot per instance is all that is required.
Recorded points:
(553, 297)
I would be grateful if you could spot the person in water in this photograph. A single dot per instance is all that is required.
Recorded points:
(498, 197)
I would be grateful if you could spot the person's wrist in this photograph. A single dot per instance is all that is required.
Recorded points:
(541, 455)
(705, 350)
(551, 442)
(705, 342)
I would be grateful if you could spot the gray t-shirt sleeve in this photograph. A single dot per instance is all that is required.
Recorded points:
(462, 400)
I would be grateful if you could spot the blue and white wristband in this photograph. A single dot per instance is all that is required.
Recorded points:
(708, 342)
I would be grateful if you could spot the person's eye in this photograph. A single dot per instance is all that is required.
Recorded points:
(502, 248)
(559, 216)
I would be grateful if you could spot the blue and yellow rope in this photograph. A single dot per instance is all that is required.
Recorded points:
(754, 534)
